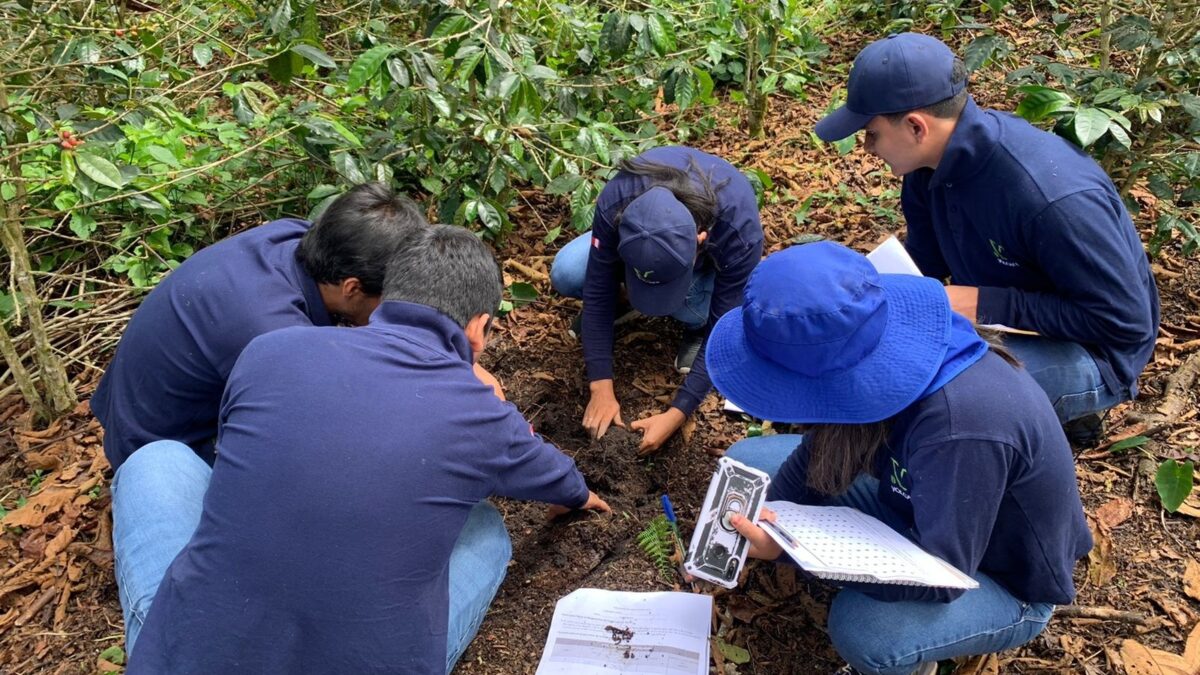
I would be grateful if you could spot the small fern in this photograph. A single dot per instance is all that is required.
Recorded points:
(658, 541)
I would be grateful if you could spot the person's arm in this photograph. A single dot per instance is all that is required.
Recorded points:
(601, 288)
(728, 292)
(956, 490)
(1097, 297)
(920, 240)
(528, 467)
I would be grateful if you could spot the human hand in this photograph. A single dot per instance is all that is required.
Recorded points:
(656, 429)
(762, 546)
(603, 409)
(594, 503)
(490, 380)
(964, 300)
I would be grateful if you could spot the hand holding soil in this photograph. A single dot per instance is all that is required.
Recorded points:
(603, 409)
(594, 503)
(656, 429)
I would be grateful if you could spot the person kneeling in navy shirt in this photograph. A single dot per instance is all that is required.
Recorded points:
(680, 229)
(1028, 229)
(344, 528)
(166, 379)
(910, 417)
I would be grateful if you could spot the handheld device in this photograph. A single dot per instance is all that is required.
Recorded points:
(717, 552)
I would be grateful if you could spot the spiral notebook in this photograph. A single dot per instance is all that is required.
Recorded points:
(843, 544)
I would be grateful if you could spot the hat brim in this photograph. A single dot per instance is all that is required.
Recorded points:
(660, 299)
(841, 123)
(885, 382)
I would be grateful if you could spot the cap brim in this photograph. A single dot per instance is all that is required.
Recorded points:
(657, 299)
(885, 382)
(841, 123)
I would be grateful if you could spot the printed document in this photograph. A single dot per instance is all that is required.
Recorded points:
(596, 632)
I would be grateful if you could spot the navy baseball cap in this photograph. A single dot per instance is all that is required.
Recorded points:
(658, 245)
(901, 72)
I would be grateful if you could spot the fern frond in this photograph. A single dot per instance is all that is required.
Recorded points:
(657, 540)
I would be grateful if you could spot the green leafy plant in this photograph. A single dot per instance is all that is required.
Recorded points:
(1132, 103)
(1174, 481)
(657, 540)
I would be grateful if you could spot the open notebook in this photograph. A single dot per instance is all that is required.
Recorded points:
(843, 544)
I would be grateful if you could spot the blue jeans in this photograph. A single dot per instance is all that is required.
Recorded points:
(158, 495)
(569, 269)
(1067, 373)
(894, 638)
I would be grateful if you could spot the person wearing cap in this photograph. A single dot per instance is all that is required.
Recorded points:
(908, 416)
(1029, 230)
(679, 230)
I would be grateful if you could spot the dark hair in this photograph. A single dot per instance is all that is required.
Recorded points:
(356, 235)
(838, 453)
(697, 194)
(447, 268)
(947, 108)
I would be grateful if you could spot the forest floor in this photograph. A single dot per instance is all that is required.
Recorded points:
(1139, 590)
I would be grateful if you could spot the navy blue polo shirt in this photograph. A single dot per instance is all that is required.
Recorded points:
(1037, 225)
(349, 460)
(166, 379)
(982, 474)
(732, 250)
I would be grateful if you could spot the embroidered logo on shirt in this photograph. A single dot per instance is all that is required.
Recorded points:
(595, 243)
(898, 474)
(998, 252)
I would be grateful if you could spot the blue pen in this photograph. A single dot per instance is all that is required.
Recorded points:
(669, 510)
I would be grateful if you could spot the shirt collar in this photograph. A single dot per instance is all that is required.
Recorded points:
(972, 142)
(424, 323)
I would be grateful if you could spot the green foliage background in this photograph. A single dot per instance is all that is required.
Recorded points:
(135, 133)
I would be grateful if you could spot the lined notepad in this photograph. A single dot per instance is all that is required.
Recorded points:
(843, 544)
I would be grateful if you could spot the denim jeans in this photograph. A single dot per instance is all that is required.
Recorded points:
(158, 495)
(894, 638)
(569, 269)
(1067, 373)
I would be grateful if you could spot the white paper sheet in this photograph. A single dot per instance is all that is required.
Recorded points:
(891, 257)
(596, 632)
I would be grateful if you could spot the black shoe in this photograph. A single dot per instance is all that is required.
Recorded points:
(689, 349)
(1085, 431)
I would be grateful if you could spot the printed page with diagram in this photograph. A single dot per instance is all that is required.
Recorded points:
(596, 631)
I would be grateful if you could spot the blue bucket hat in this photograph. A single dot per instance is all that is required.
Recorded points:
(901, 72)
(658, 246)
(821, 337)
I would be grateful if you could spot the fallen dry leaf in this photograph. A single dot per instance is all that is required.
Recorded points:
(1138, 659)
(1114, 512)
(1101, 567)
(1191, 653)
(59, 543)
(40, 506)
(988, 664)
(1191, 580)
